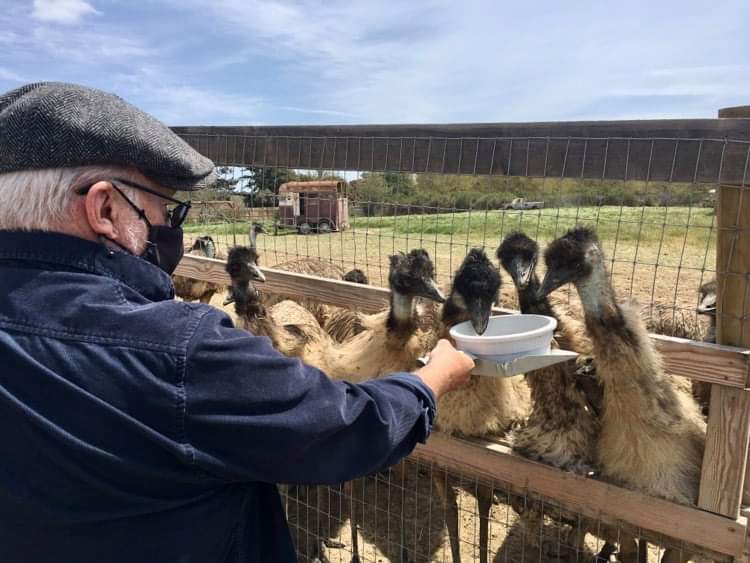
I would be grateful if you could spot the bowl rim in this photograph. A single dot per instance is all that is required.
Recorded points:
(550, 327)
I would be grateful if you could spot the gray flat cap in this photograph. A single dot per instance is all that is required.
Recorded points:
(58, 125)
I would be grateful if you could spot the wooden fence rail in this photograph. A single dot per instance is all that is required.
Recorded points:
(677, 150)
(724, 365)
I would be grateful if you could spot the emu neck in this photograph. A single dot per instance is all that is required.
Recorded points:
(453, 313)
(627, 362)
(595, 292)
(546, 384)
(247, 301)
(711, 334)
(530, 302)
(401, 316)
(253, 237)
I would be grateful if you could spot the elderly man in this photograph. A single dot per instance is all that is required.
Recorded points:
(137, 428)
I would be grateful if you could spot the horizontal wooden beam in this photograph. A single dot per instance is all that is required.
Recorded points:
(712, 363)
(736, 111)
(724, 365)
(335, 292)
(492, 462)
(688, 150)
(634, 128)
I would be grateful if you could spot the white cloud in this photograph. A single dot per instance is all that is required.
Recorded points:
(61, 11)
(6, 74)
(317, 111)
(95, 47)
(7, 37)
(176, 103)
(698, 71)
(323, 61)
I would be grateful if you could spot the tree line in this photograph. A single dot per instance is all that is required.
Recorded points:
(373, 191)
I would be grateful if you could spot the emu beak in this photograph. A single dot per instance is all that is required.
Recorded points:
(432, 291)
(229, 299)
(479, 314)
(552, 280)
(255, 273)
(521, 271)
(706, 309)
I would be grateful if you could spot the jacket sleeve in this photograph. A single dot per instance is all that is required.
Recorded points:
(252, 414)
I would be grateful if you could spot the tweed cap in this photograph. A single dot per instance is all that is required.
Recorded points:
(58, 125)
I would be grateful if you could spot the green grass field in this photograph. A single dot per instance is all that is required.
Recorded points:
(649, 225)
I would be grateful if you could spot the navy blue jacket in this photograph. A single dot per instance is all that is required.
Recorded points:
(137, 428)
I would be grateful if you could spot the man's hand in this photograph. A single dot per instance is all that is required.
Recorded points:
(447, 369)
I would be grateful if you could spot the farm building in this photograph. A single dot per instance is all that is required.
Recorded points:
(656, 209)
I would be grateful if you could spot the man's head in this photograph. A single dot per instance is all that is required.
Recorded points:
(83, 162)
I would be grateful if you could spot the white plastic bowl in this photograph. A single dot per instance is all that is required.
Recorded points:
(507, 337)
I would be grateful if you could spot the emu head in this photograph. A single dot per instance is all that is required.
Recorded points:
(413, 275)
(356, 276)
(205, 245)
(255, 230)
(475, 288)
(242, 267)
(519, 254)
(571, 258)
(707, 303)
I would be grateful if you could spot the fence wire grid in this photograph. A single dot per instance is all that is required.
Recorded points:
(653, 202)
(400, 515)
(659, 234)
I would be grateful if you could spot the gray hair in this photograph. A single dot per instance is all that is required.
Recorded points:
(40, 199)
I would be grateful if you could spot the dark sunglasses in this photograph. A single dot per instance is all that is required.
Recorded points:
(175, 216)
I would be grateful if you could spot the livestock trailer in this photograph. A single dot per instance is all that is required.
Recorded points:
(321, 206)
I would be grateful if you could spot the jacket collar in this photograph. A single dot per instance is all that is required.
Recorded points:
(56, 250)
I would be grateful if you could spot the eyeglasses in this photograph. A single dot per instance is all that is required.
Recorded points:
(175, 216)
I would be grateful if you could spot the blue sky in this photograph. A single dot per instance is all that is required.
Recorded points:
(232, 62)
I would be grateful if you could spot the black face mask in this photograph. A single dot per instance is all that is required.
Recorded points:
(164, 247)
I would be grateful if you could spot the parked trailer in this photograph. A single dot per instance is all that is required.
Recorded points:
(316, 206)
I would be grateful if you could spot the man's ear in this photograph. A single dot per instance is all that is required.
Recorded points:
(101, 212)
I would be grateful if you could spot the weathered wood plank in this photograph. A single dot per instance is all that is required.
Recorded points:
(655, 150)
(723, 365)
(337, 292)
(736, 111)
(727, 365)
(492, 462)
(725, 459)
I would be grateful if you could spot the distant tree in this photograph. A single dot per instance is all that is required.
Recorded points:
(379, 186)
(261, 184)
(226, 182)
(320, 175)
(257, 178)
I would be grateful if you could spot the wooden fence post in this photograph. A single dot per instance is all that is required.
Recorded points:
(725, 459)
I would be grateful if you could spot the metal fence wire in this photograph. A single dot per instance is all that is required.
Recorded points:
(400, 515)
(652, 200)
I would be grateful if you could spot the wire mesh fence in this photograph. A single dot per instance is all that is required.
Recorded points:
(658, 230)
(332, 204)
(401, 515)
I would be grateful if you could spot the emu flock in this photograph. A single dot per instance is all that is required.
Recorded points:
(614, 414)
